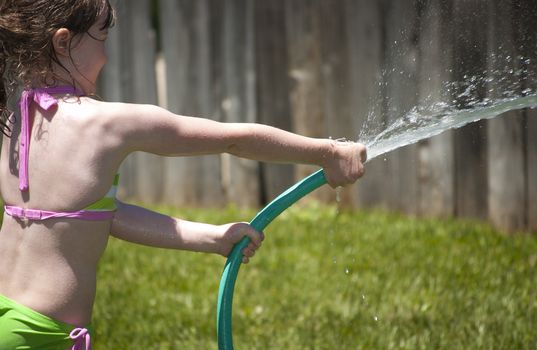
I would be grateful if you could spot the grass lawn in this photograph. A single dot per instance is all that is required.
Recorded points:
(329, 280)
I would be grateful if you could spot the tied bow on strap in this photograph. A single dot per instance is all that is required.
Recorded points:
(44, 100)
(80, 336)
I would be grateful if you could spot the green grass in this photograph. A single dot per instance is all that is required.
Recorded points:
(329, 280)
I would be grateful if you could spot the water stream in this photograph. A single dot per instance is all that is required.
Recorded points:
(420, 124)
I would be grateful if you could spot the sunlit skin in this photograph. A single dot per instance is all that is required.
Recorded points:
(77, 148)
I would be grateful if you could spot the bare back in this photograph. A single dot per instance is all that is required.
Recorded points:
(50, 266)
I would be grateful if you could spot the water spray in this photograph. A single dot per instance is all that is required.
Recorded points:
(414, 127)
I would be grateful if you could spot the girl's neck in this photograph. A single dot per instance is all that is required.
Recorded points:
(55, 82)
(61, 78)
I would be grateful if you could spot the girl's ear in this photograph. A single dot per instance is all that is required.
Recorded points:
(61, 41)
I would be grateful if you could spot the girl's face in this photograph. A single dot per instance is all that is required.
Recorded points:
(88, 52)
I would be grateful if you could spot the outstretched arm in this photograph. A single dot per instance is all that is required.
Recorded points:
(153, 129)
(138, 225)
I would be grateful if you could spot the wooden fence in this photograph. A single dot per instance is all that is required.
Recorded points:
(321, 68)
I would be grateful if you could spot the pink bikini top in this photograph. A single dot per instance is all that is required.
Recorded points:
(101, 210)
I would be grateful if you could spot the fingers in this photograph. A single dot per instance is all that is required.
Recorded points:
(247, 254)
(256, 238)
(345, 177)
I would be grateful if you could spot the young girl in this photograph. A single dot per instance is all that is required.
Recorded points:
(59, 158)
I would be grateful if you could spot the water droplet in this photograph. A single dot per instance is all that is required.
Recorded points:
(347, 270)
(376, 318)
(258, 310)
(338, 194)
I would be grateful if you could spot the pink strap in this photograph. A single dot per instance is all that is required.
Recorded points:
(39, 215)
(43, 98)
(80, 336)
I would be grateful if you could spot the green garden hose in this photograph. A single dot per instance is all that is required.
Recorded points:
(233, 263)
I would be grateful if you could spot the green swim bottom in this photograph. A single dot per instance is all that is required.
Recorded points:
(23, 328)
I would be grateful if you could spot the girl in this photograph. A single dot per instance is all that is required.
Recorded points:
(59, 157)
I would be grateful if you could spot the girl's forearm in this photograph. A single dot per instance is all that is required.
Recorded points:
(342, 161)
(143, 226)
(266, 143)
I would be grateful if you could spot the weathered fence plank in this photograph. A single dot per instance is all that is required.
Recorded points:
(149, 167)
(525, 13)
(185, 30)
(469, 59)
(208, 76)
(273, 106)
(240, 176)
(401, 95)
(180, 179)
(436, 159)
(334, 70)
(506, 163)
(335, 78)
(364, 36)
(303, 33)
(531, 161)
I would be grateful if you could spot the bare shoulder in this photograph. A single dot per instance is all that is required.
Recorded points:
(125, 117)
(114, 110)
(115, 121)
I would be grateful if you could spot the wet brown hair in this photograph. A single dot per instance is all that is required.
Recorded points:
(26, 30)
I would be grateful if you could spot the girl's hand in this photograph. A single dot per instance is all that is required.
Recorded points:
(345, 163)
(232, 233)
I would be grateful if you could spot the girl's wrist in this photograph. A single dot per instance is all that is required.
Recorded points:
(327, 152)
(220, 239)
